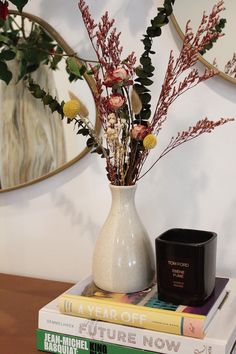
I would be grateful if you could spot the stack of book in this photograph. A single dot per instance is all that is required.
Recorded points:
(86, 319)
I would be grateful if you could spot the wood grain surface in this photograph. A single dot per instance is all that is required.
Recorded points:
(20, 300)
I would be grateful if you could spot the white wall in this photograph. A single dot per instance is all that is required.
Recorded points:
(49, 229)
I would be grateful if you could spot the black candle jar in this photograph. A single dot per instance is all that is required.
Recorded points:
(186, 265)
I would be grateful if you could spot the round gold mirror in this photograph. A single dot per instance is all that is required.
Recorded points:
(34, 142)
(223, 54)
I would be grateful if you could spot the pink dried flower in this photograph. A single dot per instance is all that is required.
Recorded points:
(120, 74)
(117, 76)
(116, 101)
(139, 132)
(108, 80)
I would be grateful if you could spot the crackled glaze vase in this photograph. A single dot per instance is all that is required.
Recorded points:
(123, 259)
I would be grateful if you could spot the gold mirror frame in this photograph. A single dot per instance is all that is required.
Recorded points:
(90, 81)
(200, 57)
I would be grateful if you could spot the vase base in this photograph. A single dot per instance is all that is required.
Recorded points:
(124, 287)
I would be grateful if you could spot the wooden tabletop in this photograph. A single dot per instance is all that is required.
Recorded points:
(20, 300)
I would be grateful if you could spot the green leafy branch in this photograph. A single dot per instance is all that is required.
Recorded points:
(93, 142)
(45, 97)
(75, 72)
(144, 73)
(83, 125)
(146, 69)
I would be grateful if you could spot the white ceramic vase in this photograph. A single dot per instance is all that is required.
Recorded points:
(123, 259)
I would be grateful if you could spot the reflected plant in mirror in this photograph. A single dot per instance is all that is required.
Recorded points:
(4, 10)
(222, 54)
(33, 139)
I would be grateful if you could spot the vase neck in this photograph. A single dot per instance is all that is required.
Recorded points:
(123, 195)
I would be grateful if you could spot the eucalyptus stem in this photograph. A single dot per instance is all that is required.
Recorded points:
(92, 133)
(23, 27)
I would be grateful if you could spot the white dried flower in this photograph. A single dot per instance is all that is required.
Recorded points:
(111, 134)
(111, 118)
(110, 131)
(112, 121)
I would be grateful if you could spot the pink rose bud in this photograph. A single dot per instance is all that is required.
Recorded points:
(108, 81)
(116, 76)
(116, 101)
(139, 132)
(120, 75)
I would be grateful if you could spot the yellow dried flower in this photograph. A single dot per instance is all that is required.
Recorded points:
(83, 111)
(150, 141)
(135, 102)
(71, 109)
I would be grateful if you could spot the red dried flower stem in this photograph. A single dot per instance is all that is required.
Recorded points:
(106, 44)
(201, 127)
(107, 47)
(171, 89)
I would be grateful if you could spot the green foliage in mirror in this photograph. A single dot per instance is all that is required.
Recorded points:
(45, 97)
(19, 4)
(74, 70)
(218, 28)
(31, 48)
(4, 11)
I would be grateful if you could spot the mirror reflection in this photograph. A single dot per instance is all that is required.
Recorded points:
(35, 142)
(222, 55)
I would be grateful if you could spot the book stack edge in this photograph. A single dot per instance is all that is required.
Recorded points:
(111, 323)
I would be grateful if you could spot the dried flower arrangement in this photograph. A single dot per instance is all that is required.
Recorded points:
(123, 97)
(122, 94)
